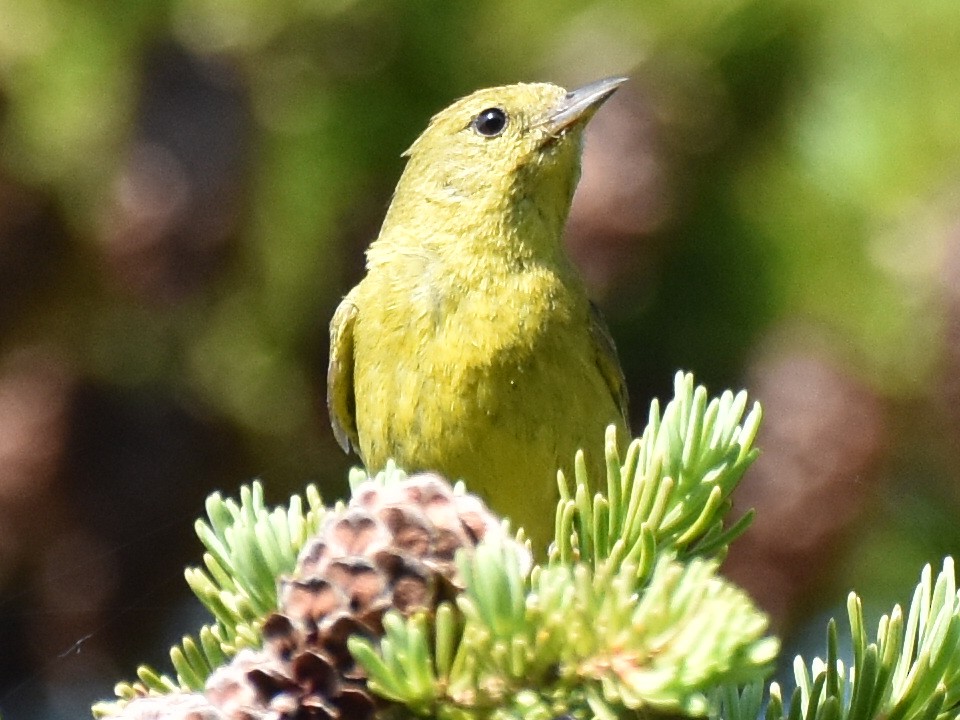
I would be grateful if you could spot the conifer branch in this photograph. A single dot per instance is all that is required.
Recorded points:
(627, 616)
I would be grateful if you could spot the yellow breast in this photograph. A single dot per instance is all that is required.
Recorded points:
(496, 384)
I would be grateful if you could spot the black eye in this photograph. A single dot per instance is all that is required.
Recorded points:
(490, 122)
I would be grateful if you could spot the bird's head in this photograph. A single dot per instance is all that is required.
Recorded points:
(502, 151)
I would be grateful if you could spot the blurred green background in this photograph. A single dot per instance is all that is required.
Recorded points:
(187, 186)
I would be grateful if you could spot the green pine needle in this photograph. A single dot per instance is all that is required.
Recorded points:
(671, 492)
(401, 670)
(577, 639)
(910, 672)
(248, 546)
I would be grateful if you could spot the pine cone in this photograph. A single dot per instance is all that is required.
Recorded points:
(174, 706)
(392, 547)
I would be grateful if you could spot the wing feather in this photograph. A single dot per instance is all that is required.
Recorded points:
(341, 400)
(608, 362)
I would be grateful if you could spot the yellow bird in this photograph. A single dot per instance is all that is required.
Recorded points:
(470, 346)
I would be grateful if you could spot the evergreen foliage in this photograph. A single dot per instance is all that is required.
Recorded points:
(628, 615)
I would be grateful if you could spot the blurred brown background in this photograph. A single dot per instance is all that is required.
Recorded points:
(187, 186)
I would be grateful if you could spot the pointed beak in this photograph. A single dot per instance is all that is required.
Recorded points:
(580, 104)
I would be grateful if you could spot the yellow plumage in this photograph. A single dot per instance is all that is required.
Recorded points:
(470, 347)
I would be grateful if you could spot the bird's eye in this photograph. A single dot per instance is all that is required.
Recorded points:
(490, 122)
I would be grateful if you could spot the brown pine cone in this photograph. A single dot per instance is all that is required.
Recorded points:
(392, 547)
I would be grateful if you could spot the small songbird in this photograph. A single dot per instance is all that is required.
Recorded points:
(470, 346)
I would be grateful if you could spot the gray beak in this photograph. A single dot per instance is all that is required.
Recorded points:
(580, 104)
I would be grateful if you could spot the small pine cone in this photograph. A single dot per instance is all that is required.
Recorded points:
(287, 681)
(392, 548)
(426, 517)
(175, 706)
